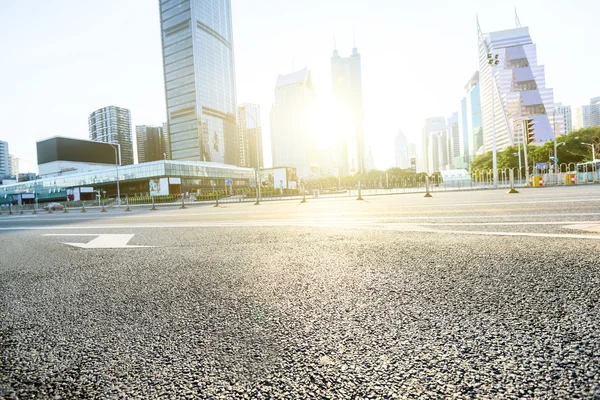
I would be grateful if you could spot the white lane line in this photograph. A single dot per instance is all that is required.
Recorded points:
(593, 227)
(102, 241)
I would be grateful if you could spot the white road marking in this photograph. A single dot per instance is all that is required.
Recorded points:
(593, 227)
(102, 241)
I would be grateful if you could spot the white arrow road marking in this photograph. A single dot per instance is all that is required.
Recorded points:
(103, 241)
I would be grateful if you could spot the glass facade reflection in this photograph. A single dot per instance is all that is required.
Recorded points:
(199, 74)
(194, 175)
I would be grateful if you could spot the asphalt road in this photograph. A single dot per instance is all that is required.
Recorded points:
(466, 295)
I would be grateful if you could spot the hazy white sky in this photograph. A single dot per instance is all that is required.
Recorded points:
(63, 59)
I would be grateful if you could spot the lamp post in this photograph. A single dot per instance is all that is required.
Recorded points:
(117, 169)
(593, 150)
(493, 61)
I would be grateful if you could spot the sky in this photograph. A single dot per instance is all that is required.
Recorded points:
(71, 57)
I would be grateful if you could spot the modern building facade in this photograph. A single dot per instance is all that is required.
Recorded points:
(4, 159)
(471, 121)
(562, 116)
(14, 165)
(166, 139)
(113, 125)
(250, 136)
(595, 111)
(171, 177)
(57, 156)
(346, 77)
(199, 75)
(587, 115)
(151, 144)
(432, 134)
(292, 139)
(518, 85)
(401, 151)
(454, 141)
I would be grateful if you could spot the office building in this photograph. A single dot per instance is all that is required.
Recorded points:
(401, 151)
(587, 116)
(563, 118)
(518, 84)
(250, 136)
(4, 159)
(346, 77)
(292, 139)
(151, 144)
(595, 111)
(57, 156)
(166, 139)
(454, 143)
(470, 122)
(113, 125)
(158, 178)
(199, 76)
(14, 165)
(431, 140)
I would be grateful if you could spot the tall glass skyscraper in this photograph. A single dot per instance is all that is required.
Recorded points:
(519, 87)
(199, 72)
(471, 122)
(346, 77)
(113, 125)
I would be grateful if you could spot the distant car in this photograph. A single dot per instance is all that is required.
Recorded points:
(54, 207)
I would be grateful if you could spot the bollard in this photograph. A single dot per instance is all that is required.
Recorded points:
(10, 209)
(153, 205)
(303, 198)
(427, 194)
(22, 210)
(49, 210)
(183, 207)
(65, 211)
(359, 192)
(34, 210)
(127, 209)
(217, 198)
(103, 209)
(512, 183)
(83, 207)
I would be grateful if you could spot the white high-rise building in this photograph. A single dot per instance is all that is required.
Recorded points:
(346, 77)
(401, 151)
(113, 125)
(563, 119)
(4, 159)
(199, 76)
(587, 115)
(433, 134)
(14, 165)
(470, 122)
(454, 142)
(595, 111)
(519, 87)
(292, 140)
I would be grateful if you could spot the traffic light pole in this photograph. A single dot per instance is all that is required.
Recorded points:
(525, 143)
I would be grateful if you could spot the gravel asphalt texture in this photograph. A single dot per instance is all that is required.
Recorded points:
(356, 308)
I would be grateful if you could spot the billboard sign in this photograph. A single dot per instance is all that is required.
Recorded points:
(159, 187)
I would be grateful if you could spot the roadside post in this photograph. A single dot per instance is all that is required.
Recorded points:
(359, 192)
(427, 194)
(127, 209)
(183, 207)
(153, 205)
(512, 183)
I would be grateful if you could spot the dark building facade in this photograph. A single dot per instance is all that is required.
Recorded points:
(151, 144)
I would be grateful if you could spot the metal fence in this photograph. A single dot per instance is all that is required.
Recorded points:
(479, 180)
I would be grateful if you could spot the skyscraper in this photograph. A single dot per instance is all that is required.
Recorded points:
(454, 142)
(563, 118)
(595, 111)
(199, 74)
(292, 140)
(113, 125)
(431, 142)
(151, 144)
(471, 121)
(346, 77)
(4, 159)
(401, 150)
(14, 165)
(166, 140)
(519, 87)
(250, 136)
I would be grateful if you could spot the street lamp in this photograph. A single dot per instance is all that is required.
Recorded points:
(117, 169)
(494, 61)
(593, 150)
